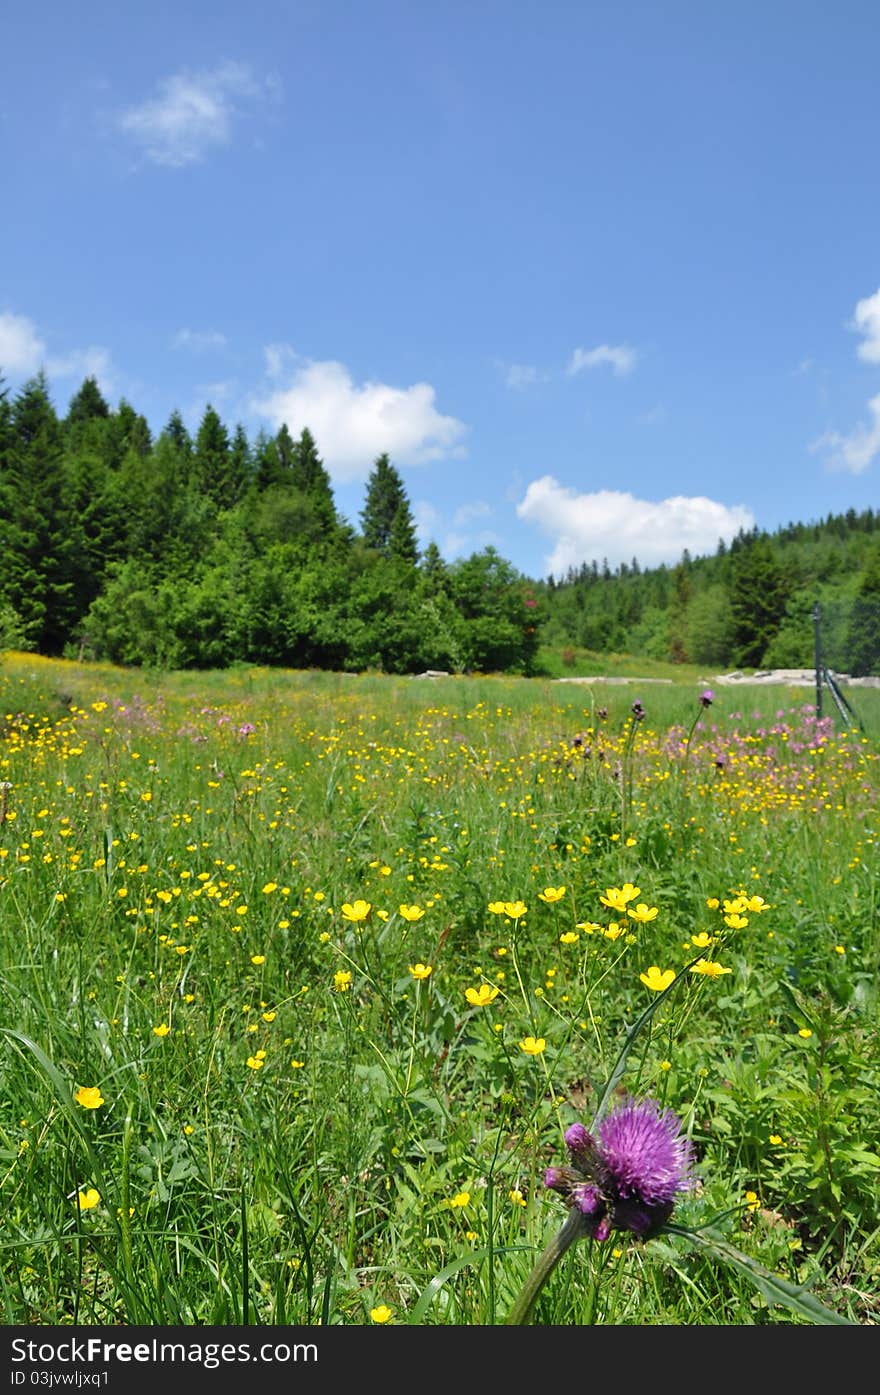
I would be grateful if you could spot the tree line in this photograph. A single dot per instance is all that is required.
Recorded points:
(199, 551)
(202, 551)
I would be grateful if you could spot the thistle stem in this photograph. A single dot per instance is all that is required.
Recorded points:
(521, 1312)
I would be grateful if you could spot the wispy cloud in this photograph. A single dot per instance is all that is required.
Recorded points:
(357, 423)
(866, 321)
(198, 341)
(620, 357)
(613, 525)
(85, 363)
(519, 376)
(856, 451)
(194, 112)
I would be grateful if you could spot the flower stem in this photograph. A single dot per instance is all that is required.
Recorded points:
(521, 1312)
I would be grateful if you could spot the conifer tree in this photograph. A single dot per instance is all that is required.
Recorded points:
(36, 540)
(313, 481)
(386, 520)
(758, 595)
(211, 458)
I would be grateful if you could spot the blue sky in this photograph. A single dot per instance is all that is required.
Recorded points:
(603, 279)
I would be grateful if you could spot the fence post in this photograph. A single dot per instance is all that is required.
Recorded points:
(817, 659)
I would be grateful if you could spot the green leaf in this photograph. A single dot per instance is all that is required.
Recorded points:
(796, 1297)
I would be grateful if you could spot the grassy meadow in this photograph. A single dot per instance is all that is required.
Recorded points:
(304, 976)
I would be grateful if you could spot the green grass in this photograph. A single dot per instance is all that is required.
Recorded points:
(301, 1146)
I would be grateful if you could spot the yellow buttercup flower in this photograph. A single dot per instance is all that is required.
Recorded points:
(614, 930)
(411, 913)
(515, 909)
(702, 940)
(617, 898)
(459, 1201)
(89, 1096)
(589, 926)
(709, 969)
(419, 971)
(162, 1030)
(342, 980)
(496, 907)
(569, 938)
(736, 921)
(551, 894)
(381, 1314)
(482, 996)
(642, 913)
(356, 910)
(88, 1199)
(657, 979)
(532, 1046)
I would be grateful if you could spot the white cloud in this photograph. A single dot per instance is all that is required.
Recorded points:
(856, 451)
(352, 425)
(866, 321)
(613, 525)
(198, 340)
(520, 375)
(193, 112)
(21, 349)
(620, 356)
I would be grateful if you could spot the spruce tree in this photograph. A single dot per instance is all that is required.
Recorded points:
(758, 594)
(211, 458)
(312, 480)
(386, 519)
(36, 538)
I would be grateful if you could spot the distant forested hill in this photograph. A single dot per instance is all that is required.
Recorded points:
(749, 605)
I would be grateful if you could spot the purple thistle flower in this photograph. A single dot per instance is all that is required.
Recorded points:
(644, 1152)
(628, 1177)
(707, 697)
(637, 710)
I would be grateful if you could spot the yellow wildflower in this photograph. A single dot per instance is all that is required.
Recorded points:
(411, 913)
(657, 979)
(89, 1096)
(643, 913)
(482, 996)
(551, 894)
(356, 910)
(617, 898)
(709, 969)
(532, 1046)
(419, 971)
